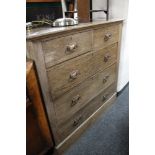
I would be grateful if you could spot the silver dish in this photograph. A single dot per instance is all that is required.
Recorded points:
(64, 22)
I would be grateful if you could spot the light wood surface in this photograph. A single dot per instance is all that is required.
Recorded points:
(61, 148)
(45, 32)
(67, 105)
(79, 117)
(60, 76)
(34, 51)
(105, 36)
(68, 46)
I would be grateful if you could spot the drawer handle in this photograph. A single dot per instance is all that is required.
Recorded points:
(71, 47)
(104, 98)
(106, 58)
(75, 100)
(105, 79)
(74, 74)
(107, 36)
(77, 121)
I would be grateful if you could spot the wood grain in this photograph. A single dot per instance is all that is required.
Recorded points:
(79, 117)
(34, 51)
(61, 148)
(85, 66)
(48, 32)
(119, 49)
(64, 106)
(57, 50)
(55, 69)
(100, 39)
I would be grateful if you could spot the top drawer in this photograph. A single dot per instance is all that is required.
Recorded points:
(104, 37)
(66, 47)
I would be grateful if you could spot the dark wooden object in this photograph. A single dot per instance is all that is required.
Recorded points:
(83, 10)
(43, 0)
(38, 136)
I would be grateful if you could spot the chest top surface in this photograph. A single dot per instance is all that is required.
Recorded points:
(42, 32)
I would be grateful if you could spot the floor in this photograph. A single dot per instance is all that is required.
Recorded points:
(110, 133)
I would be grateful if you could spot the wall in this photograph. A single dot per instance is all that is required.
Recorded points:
(118, 9)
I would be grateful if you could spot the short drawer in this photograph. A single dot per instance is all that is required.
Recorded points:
(104, 37)
(78, 118)
(64, 48)
(67, 75)
(78, 97)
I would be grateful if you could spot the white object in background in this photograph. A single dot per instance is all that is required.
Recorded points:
(99, 5)
(63, 4)
(123, 74)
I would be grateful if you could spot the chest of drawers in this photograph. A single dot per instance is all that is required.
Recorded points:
(77, 69)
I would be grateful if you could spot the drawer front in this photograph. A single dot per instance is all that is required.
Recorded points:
(104, 37)
(63, 48)
(78, 118)
(78, 97)
(67, 75)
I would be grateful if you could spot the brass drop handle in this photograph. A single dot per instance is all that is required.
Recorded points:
(77, 121)
(71, 47)
(74, 74)
(107, 36)
(75, 100)
(106, 58)
(104, 98)
(105, 79)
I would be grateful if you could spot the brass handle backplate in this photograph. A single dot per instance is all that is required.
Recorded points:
(74, 74)
(107, 36)
(75, 100)
(104, 98)
(71, 48)
(77, 121)
(107, 57)
(105, 79)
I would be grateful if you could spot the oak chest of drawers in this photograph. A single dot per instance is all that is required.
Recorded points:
(77, 69)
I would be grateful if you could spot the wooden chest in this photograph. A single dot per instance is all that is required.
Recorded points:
(77, 68)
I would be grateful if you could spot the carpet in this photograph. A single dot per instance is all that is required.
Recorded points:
(109, 135)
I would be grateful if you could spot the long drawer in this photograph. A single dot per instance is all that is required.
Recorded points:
(78, 97)
(64, 48)
(104, 37)
(67, 75)
(78, 118)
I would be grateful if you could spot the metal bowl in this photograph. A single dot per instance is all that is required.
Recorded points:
(64, 22)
